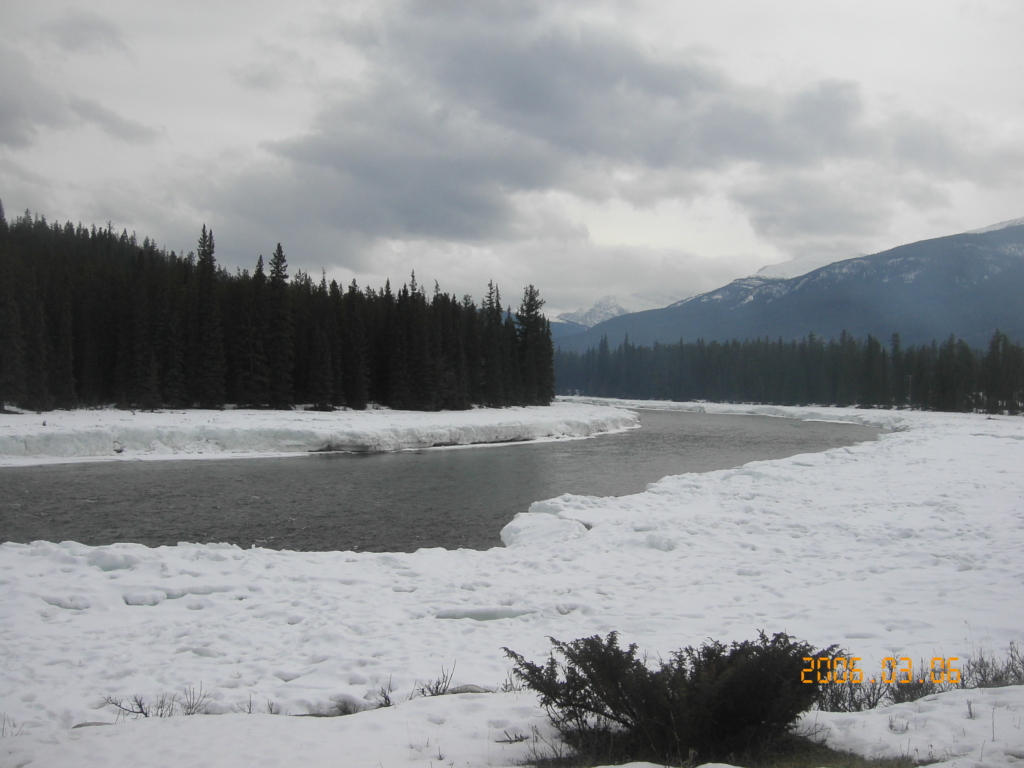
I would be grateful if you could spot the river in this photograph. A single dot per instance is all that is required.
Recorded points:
(381, 502)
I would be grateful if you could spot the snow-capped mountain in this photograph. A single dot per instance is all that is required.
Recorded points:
(968, 285)
(995, 227)
(611, 306)
(795, 267)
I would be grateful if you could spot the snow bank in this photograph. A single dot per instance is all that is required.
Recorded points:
(105, 434)
(909, 545)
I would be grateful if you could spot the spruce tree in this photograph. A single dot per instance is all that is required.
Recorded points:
(493, 345)
(278, 342)
(174, 391)
(211, 367)
(62, 375)
(12, 341)
(252, 377)
(321, 372)
(335, 312)
(37, 390)
(536, 353)
(354, 368)
(510, 364)
(997, 374)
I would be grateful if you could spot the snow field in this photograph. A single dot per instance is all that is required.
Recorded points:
(906, 546)
(106, 434)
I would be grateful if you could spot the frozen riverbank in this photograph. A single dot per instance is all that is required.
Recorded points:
(909, 545)
(107, 434)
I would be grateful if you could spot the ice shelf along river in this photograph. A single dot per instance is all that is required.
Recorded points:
(382, 502)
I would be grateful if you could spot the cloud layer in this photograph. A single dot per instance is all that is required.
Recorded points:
(490, 134)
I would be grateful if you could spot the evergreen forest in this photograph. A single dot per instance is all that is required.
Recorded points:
(91, 317)
(946, 376)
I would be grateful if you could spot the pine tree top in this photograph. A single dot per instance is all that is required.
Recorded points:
(278, 266)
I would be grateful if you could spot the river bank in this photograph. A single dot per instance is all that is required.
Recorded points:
(107, 434)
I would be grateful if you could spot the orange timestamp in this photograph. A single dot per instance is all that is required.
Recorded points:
(895, 669)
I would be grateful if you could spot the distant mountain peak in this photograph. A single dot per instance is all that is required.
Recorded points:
(614, 305)
(997, 227)
(801, 265)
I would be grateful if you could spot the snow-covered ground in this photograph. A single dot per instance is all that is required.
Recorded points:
(910, 545)
(106, 434)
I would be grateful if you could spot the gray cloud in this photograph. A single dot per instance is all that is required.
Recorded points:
(271, 68)
(81, 31)
(25, 104)
(112, 123)
(465, 106)
(261, 77)
(790, 206)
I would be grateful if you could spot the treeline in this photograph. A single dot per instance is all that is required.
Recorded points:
(947, 376)
(90, 316)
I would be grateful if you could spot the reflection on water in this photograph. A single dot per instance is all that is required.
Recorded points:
(381, 502)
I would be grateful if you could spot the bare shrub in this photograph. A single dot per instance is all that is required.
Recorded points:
(137, 706)
(194, 702)
(384, 695)
(438, 686)
(511, 685)
(985, 671)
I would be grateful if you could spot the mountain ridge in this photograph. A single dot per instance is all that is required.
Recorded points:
(924, 291)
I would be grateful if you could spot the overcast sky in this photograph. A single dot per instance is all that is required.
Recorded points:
(587, 148)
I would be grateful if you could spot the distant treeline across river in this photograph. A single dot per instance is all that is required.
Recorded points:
(946, 376)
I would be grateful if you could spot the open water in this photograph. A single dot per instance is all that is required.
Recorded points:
(381, 502)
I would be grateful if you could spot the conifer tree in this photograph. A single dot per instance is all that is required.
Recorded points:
(37, 390)
(321, 373)
(211, 366)
(493, 350)
(252, 377)
(174, 391)
(12, 341)
(62, 375)
(510, 364)
(279, 333)
(536, 354)
(148, 392)
(354, 370)
(471, 344)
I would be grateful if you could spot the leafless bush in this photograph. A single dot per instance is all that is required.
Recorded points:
(439, 686)
(384, 695)
(512, 684)
(194, 702)
(981, 670)
(984, 671)
(852, 697)
(903, 691)
(896, 726)
(136, 707)
(346, 707)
